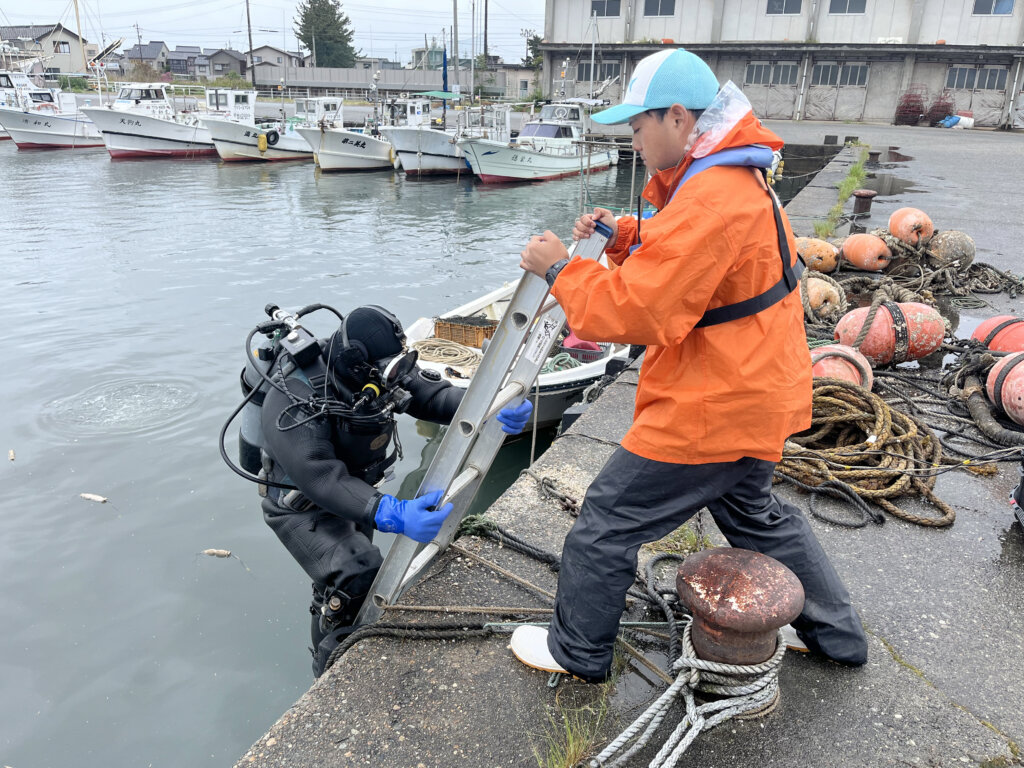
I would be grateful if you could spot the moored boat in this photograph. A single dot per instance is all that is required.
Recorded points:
(38, 118)
(269, 141)
(337, 148)
(550, 147)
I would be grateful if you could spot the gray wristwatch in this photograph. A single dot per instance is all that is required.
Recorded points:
(553, 271)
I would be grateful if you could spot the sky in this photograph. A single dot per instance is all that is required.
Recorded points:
(381, 27)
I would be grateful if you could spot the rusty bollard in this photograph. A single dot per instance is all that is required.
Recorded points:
(862, 201)
(738, 599)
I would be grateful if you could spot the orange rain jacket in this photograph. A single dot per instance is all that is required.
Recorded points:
(711, 394)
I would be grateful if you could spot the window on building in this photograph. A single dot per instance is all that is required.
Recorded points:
(758, 74)
(962, 78)
(992, 79)
(661, 7)
(583, 71)
(847, 6)
(993, 7)
(609, 69)
(854, 74)
(257, 59)
(605, 7)
(61, 46)
(279, 59)
(783, 6)
(784, 74)
(825, 74)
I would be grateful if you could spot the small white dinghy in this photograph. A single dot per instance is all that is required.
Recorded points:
(469, 325)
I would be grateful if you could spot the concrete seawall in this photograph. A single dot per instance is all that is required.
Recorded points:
(944, 609)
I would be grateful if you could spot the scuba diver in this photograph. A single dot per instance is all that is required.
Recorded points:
(328, 426)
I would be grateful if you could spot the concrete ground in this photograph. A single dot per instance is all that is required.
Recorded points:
(944, 609)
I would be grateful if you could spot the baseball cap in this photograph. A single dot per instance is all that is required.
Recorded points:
(673, 76)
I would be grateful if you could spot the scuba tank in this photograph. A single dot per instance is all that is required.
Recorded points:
(259, 358)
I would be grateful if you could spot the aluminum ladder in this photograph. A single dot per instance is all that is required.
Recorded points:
(514, 357)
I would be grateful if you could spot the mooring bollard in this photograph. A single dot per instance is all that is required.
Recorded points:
(739, 599)
(862, 201)
(873, 156)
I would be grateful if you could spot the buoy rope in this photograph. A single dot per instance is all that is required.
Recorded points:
(857, 439)
(563, 361)
(817, 318)
(448, 352)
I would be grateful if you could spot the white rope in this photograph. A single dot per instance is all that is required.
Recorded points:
(744, 688)
(448, 352)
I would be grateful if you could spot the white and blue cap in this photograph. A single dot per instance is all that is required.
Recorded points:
(660, 80)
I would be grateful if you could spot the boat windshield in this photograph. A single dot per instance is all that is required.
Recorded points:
(559, 112)
(42, 97)
(5, 81)
(547, 131)
(140, 94)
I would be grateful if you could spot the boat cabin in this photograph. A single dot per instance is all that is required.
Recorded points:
(146, 98)
(312, 111)
(19, 92)
(562, 113)
(235, 105)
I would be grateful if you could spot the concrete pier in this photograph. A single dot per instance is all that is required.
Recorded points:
(944, 609)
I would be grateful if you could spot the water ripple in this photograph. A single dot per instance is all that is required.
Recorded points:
(120, 407)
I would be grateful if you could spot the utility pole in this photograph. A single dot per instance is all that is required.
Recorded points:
(472, 50)
(593, 43)
(485, 31)
(252, 59)
(455, 41)
(426, 52)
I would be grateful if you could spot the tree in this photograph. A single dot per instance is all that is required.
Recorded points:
(325, 30)
(534, 59)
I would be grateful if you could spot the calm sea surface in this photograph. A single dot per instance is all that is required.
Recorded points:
(129, 288)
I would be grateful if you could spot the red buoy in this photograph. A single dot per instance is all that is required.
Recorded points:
(1005, 386)
(899, 332)
(1003, 333)
(837, 361)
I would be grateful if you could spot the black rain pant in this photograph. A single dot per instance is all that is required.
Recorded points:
(634, 501)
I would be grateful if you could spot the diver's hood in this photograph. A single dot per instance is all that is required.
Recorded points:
(368, 335)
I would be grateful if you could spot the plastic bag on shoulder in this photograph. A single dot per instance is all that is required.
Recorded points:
(725, 111)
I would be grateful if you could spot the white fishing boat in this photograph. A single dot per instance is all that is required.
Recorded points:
(39, 118)
(144, 121)
(549, 147)
(562, 381)
(337, 148)
(274, 140)
(423, 146)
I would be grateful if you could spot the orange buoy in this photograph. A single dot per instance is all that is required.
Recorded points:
(821, 296)
(867, 252)
(837, 361)
(1003, 333)
(819, 255)
(951, 248)
(899, 332)
(1005, 386)
(911, 225)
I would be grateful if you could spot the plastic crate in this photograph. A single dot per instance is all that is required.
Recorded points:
(470, 331)
(586, 355)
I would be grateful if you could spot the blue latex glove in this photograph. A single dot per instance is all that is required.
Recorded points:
(415, 518)
(514, 420)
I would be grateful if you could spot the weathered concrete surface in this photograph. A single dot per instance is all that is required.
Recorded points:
(944, 609)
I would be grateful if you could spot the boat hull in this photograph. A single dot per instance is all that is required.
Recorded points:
(340, 150)
(239, 142)
(127, 134)
(35, 130)
(423, 151)
(496, 162)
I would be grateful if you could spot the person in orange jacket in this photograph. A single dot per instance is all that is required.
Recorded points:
(709, 286)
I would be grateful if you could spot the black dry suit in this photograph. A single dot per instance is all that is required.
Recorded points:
(335, 458)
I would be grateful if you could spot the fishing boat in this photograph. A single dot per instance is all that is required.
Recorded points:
(270, 140)
(426, 147)
(39, 118)
(144, 121)
(337, 148)
(573, 367)
(549, 147)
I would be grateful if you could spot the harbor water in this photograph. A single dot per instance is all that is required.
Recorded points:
(129, 288)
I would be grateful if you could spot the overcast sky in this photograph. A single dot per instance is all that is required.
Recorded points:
(381, 27)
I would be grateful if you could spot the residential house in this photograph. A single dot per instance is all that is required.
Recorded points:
(62, 48)
(225, 60)
(376, 63)
(268, 54)
(806, 59)
(181, 61)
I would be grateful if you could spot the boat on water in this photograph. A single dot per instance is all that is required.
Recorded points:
(550, 146)
(562, 381)
(144, 120)
(337, 148)
(41, 118)
(270, 140)
(426, 146)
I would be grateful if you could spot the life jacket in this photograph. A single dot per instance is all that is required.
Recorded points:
(759, 157)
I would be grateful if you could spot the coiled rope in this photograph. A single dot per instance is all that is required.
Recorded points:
(746, 689)
(448, 352)
(879, 452)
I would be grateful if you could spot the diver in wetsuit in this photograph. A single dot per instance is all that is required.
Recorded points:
(329, 427)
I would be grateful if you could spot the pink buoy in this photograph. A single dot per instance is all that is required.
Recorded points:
(899, 332)
(1003, 333)
(1005, 386)
(837, 361)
